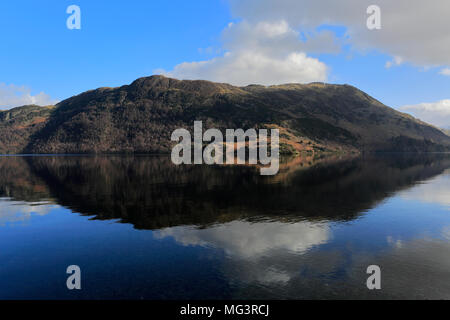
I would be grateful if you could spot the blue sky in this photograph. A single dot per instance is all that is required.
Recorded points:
(120, 41)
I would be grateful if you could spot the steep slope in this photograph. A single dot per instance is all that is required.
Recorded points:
(18, 125)
(140, 117)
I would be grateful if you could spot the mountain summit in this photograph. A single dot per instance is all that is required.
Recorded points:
(140, 118)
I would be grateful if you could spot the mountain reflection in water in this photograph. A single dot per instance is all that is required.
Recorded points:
(194, 232)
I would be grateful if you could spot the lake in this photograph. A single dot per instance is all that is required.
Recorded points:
(140, 227)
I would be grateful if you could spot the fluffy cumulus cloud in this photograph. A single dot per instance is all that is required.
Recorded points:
(256, 248)
(413, 31)
(273, 40)
(14, 96)
(249, 240)
(261, 53)
(437, 113)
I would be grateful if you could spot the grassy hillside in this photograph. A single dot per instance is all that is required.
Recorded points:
(140, 117)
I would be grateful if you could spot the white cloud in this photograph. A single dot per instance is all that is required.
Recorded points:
(415, 30)
(15, 211)
(250, 67)
(14, 96)
(274, 38)
(397, 243)
(262, 53)
(436, 113)
(250, 240)
(255, 248)
(395, 62)
(445, 72)
(435, 191)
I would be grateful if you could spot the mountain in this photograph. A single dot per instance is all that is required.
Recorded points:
(140, 117)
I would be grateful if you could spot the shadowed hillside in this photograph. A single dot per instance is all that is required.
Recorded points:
(140, 117)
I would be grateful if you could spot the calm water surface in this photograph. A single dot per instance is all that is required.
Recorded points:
(140, 227)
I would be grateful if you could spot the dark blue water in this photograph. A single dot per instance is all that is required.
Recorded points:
(141, 228)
